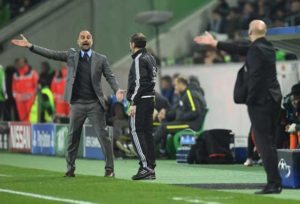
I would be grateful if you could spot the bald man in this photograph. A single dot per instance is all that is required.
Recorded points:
(262, 94)
(84, 92)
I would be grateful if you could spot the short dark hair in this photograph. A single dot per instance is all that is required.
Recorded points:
(139, 39)
(183, 80)
(22, 58)
(166, 78)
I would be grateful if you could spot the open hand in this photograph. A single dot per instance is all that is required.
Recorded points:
(21, 43)
(132, 111)
(206, 39)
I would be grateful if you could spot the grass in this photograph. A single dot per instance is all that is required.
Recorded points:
(98, 189)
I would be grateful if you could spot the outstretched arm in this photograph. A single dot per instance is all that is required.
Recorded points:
(51, 54)
(208, 39)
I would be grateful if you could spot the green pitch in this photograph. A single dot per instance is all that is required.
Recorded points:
(39, 179)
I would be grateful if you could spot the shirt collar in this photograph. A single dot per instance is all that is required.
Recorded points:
(89, 52)
(142, 50)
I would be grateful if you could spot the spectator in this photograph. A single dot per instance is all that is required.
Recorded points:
(4, 12)
(223, 8)
(175, 100)
(252, 153)
(233, 22)
(240, 5)
(3, 94)
(278, 14)
(117, 117)
(25, 5)
(47, 74)
(24, 88)
(189, 113)
(161, 103)
(279, 22)
(13, 8)
(213, 56)
(293, 125)
(166, 87)
(217, 23)
(198, 56)
(293, 18)
(194, 85)
(10, 104)
(43, 108)
(58, 84)
(247, 16)
(263, 11)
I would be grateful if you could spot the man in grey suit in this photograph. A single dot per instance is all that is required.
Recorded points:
(83, 91)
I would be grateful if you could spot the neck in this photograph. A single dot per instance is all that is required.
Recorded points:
(257, 37)
(86, 50)
(135, 50)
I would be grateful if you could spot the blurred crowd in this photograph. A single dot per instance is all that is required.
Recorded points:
(228, 23)
(9, 9)
(29, 96)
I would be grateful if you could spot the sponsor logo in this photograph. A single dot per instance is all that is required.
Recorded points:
(284, 168)
(61, 134)
(20, 136)
(92, 142)
(42, 139)
(3, 141)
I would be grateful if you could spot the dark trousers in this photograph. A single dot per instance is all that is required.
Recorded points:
(95, 113)
(251, 145)
(263, 120)
(168, 127)
(141, 128)
(3, 111)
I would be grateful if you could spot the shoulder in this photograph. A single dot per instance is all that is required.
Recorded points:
(72, 51)
(144, 58)
(256, 50)
(99, 55)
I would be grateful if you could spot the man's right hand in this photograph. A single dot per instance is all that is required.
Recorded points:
(161, 115)
(21, 43)
(206, 39)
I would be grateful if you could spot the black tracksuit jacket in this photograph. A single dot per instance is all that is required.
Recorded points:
(142, 76)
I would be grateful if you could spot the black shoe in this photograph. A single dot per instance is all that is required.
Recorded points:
(270, 189)
(152, 176)
(144, 174)
(69, 173)
(109, 173)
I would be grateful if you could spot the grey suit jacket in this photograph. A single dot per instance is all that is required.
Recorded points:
(99, 67)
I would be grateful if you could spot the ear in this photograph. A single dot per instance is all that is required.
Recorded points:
(133, 45)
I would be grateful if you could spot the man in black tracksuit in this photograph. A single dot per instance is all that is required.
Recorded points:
(188, 113)
(140, 93)
(262, 97)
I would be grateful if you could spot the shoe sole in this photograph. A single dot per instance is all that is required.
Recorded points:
(149, 177)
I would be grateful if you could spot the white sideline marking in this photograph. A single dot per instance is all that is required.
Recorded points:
(45, 197)
(4, 175)
(193, 200)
